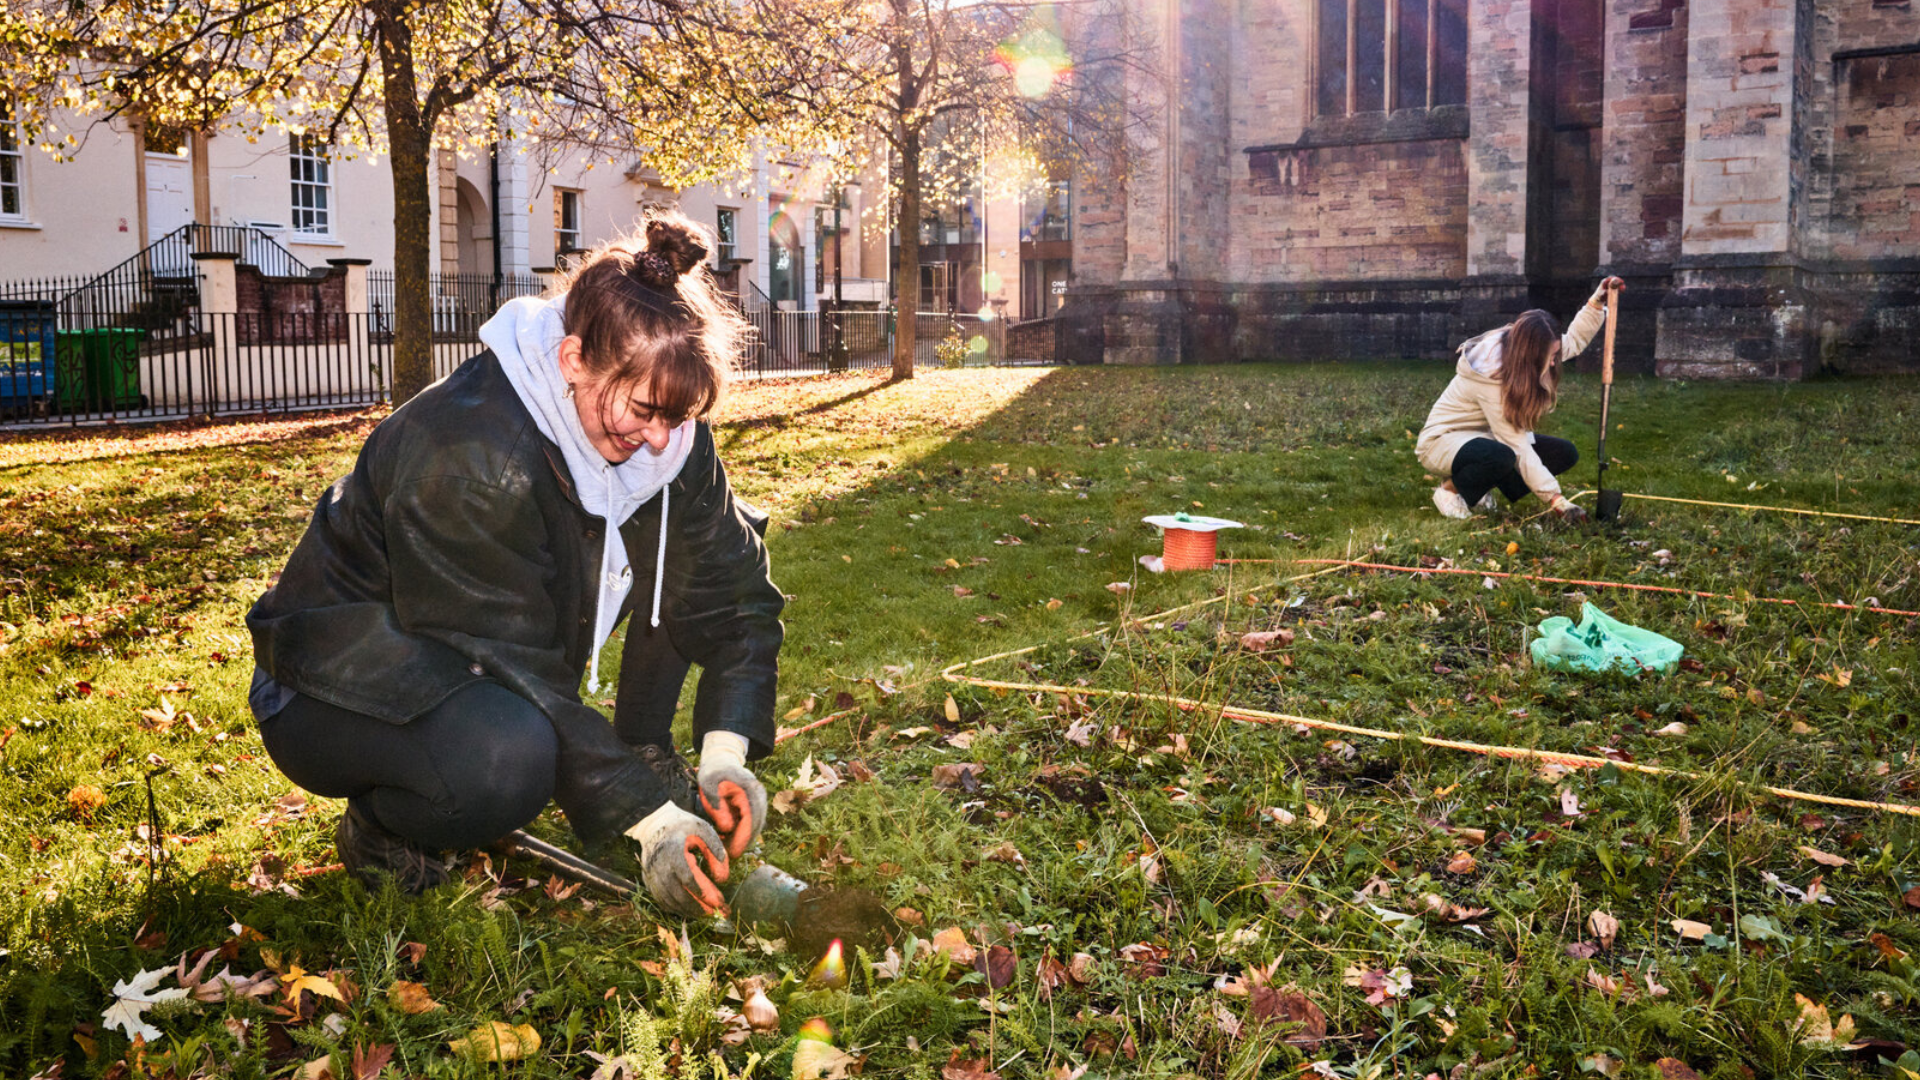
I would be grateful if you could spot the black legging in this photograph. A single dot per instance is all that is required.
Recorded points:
(467, 772)
(1484, 464)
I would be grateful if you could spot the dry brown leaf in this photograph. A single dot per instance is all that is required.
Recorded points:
(1603, 982)
(1690, 930)
(1462, 863)
(1447, 911)
(952, 942)
(1262, 640)
(957, 775)
(1675, 1069)
(1888, 950)
(298, 981)
(818, 1060)
(1674, 729)
(1051, 975)
(1143, 960)
(497, 1041)
(999, 964)
(411, 998)
(1604, 927)
(959, 1068)
(1080, 968)
(952, 709)
(1288, 1005)
(1821, 857)
(908, 916)
(1815, 1028)
(1005, 852)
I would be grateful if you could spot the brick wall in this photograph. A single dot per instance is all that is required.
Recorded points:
(1500, 47)
(1875, 210)
(1379, 211)
(1204, 175)
(1643, 144)
(1740, 117)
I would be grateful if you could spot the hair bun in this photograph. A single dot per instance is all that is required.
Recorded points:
(677, 244)
(656, 270)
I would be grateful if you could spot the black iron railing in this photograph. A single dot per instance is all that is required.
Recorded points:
(461, 302)
(62, 370)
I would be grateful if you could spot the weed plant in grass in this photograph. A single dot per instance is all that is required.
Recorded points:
(1170, 893)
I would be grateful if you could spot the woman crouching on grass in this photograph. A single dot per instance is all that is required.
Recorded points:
(1480, 433)
(421, 654)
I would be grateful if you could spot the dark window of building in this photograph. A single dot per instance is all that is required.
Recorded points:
(1449, 52)
(1331, 97)
(1049, 213)
(312, 191)
(1369, 55)
(566, 221)
(1410, 53)
(724, 229)
(1410, 57)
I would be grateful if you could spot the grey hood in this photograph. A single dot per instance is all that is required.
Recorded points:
(525, 334)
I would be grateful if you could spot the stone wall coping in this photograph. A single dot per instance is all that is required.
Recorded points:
(1366, 129)
(1782, 261)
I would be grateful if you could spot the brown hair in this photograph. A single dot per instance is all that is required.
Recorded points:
(1529, 380)
(647, 312)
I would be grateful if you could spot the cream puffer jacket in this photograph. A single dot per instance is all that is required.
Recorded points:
(1470, 408)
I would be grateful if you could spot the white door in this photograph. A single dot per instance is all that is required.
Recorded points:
(169, 206)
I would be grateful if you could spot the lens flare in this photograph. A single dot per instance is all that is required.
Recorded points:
(1037, 60)
(1033, 76)
(978, 346)
(831, 971)
(816, 1030)
(991, 282)
(985, 313)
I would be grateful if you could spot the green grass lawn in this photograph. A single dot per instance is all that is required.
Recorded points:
(1150, 891)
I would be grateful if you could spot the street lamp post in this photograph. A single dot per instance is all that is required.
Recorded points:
(837, 352)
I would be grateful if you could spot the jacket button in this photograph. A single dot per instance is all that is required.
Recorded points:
(593, 534)
(477, 669)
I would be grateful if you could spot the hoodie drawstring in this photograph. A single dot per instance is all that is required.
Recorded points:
(660, 560)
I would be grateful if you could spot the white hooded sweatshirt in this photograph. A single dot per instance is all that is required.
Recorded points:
(525, 334)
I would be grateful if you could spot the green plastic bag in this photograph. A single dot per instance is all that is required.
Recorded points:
(1602, 643)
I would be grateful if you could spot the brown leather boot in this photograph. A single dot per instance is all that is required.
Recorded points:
(371, 852)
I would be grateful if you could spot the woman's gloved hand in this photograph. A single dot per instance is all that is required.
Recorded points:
(731, 795)
(1569, 511)
(1599, 297)
(672, 844)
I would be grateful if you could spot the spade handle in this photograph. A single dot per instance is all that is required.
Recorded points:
(1613, 322)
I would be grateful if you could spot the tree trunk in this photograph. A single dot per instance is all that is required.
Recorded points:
(410, 150)
(907, 274)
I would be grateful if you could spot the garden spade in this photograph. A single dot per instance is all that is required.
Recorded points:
(765, 895)
(1609, 506)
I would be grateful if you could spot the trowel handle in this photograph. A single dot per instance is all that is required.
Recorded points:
(1613, 323)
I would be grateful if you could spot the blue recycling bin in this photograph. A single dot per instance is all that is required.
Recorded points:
(26, 354)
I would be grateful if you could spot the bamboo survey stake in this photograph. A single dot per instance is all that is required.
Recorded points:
(1608, 508)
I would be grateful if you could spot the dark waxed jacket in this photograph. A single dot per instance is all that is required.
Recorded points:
(456, 550)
